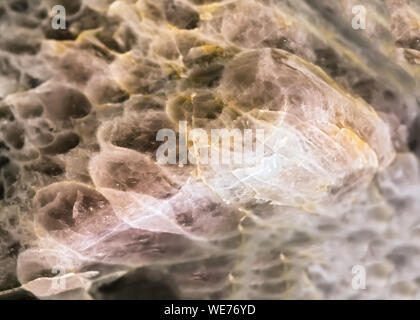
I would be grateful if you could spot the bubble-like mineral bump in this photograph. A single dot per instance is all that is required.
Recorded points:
(111, 129)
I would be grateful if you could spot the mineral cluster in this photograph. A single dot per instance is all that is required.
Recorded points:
(329, 211)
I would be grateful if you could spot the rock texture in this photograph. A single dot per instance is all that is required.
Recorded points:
(88, 212)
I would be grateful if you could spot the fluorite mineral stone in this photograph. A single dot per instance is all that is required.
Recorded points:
(89, 211)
